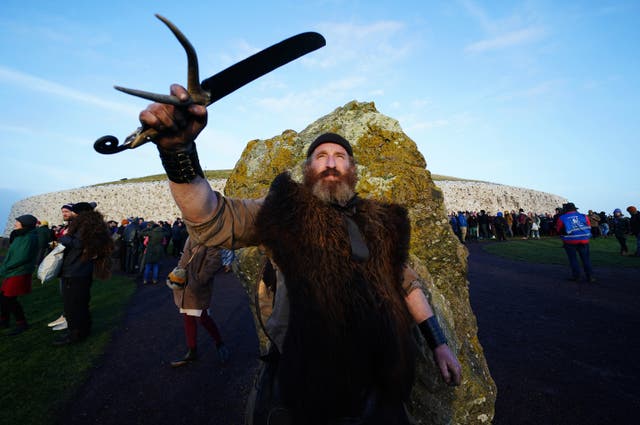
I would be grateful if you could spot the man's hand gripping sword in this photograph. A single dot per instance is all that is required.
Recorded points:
(215, 87)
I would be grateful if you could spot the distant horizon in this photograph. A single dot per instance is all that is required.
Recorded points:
(4, 214)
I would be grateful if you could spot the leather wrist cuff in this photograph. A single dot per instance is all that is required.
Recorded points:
(181, 166)
(432, 332)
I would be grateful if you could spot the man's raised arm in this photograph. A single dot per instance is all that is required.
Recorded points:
(178, 128)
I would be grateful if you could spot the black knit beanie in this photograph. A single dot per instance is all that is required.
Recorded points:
(28, 221)
(330, 138)
(83, 206)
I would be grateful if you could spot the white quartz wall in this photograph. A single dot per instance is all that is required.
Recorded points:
(476, 196)
(153, 201)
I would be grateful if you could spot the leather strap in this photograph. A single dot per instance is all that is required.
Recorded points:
(432, 332)
(181, 166)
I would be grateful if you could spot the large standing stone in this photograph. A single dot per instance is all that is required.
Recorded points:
(391, 168)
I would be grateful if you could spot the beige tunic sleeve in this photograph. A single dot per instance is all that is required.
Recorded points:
(231, 225)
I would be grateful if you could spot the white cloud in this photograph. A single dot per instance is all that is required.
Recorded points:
(307, 99)
(511, 39)
(37, 84)
(479, 14)
(426, 125)
(542, 88)
(369, 46)
(25, 131)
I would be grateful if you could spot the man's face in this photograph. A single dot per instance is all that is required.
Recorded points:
(330, 173)
(67, 214)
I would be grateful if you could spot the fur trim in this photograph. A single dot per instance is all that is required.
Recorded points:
(349, 329)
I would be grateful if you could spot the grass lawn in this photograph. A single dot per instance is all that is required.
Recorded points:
(37, 378)
(604, 252)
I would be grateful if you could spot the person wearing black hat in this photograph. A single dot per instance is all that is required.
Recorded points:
(88, 245)
(346, 303)
(575, 231)
(16, 270)
(66, 210)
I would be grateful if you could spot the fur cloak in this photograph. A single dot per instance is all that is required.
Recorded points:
(349, 332)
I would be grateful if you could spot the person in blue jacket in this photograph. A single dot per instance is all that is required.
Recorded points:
(462, 224)
(575, 231)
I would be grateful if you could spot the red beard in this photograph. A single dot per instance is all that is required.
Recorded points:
(334, 191)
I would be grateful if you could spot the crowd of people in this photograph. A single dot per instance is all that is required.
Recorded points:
(474, 226)
(87, 254)
(93, 247)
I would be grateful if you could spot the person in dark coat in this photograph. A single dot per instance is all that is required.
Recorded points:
(88, 247)
(16, 271)
(634, 225)
(620, 230)
(500, 224)
(130, 238)
(153, 241)
(44, 238)
(178, 236)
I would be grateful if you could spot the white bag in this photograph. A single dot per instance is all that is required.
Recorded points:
(51, 264)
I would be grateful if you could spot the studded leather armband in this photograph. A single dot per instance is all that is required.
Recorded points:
(181, 166)
(432, 332)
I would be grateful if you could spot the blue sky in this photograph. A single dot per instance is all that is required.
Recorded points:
(537, 94)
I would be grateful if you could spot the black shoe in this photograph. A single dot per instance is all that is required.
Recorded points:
(67, 338)
(573, 278)
(223, 352)
(190, 357)
(18, 329)
(591, 279)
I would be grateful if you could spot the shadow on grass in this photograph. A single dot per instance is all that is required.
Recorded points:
(37, 377)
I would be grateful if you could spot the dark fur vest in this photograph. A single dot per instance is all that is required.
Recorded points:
(349, 332)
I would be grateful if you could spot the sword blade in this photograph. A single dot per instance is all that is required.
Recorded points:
(261, 63)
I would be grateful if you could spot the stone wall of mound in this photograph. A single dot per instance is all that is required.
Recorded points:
(151, 200)
(491, 197)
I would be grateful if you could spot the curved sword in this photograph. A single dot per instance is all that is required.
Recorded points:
(217, 86)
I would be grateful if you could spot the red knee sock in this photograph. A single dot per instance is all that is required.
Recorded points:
(190, 330)
(210, 326)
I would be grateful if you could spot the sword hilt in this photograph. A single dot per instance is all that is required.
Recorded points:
(108, 145)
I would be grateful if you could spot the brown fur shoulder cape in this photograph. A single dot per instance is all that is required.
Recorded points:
(349, 330)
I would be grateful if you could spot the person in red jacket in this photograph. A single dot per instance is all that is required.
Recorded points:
(575, 231)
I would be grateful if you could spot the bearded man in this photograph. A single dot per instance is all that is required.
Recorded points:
(346, 303)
